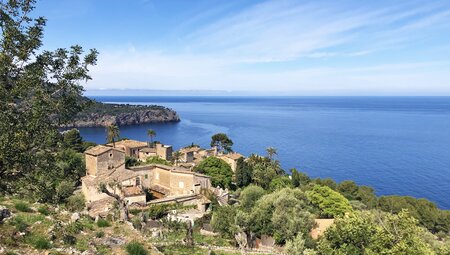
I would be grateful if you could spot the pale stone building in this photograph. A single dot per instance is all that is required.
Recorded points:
(231, 159)
(130, 147)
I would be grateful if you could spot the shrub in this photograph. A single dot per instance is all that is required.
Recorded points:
(100, 234)
(69, 239)
(20, 224)
(40, 242)
(135, 248)
(102, 223)
(22, 206)
(82, 245)
(44, 210)
(76, 203)
(74, 228)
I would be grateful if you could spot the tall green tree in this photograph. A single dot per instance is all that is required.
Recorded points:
(222, 142)
(220, 172)
(112, 134)
(271, 152)
(39, 91)
(243, 173)
(329, 202)
(151, 133)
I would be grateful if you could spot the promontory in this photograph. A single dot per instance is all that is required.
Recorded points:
(99, 114)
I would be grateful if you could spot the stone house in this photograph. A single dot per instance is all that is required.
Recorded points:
(106, 164)
(231, 159)
(130, 147)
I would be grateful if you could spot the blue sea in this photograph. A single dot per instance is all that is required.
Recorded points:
(398, 145)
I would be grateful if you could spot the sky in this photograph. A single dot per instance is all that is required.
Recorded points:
(278, 47)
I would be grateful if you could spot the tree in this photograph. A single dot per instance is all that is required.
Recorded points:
(123, 206)
(39, 92)
(329, 202)
(264, 170)
(271, 151)
(249, 196)
(176, 156)
(151, 133)
(374, 233)
(243, 173)
(295, 246)
(223, 219)
(73, 140)
(280, 182)
(222, 142)
(220, 172)
(112, 133)
(299, 178)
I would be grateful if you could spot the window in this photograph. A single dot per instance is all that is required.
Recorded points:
(181, 185)
(157, 176)
(110, 155)
(146, 176)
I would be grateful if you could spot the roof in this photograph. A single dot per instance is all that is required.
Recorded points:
(321, 226)
(129, 143)
(160, 189)
(99, 149)
(173, 169)
(147, 149)
(190, 149)
(132, 191)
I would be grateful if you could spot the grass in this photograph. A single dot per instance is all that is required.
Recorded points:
(22, 206)
(135, 248)
(103, 223)
(44, 210)
(40, 242)
(99, 234)
(82, 245)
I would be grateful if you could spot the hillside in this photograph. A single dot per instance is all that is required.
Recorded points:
(99, 114)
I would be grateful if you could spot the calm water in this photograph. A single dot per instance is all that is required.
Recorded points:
(398, 145)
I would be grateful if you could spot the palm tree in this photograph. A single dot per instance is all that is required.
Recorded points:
(176, 157)
(271, 151)
(151, 133)
(112, 132)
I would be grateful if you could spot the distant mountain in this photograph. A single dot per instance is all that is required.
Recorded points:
(99, 114)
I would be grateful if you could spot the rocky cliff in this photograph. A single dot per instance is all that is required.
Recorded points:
(102, 115)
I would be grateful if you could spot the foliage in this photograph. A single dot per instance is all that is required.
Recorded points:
(295, 246)
(243, 173)
(157, 160)
(299, 178)
(249, 196)
(102, 223)
(44, 210)
(423, 210)
(281, 214)
(329, 202)
(112, 134)
(222, 220)
(135, 248)
(280, 182)
(374, 233)
(22, 206)
(40, 242)
(39, 91)
(131, 161)
(220, 172)
(352, 191)
(264, 170)
(76, 203)
(222, 142)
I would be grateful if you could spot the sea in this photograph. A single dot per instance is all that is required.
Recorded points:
(397, 145)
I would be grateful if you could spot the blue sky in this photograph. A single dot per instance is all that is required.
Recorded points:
(262, 47)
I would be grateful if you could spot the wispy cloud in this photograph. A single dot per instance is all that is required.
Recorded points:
(358, 43)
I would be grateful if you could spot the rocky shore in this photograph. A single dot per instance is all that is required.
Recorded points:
(102, 115)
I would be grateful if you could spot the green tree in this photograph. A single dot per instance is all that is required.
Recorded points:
(220, 172)
(223, 220)
(176, 156)
(222, 142)
(249, 196)
(329, 202)
(295, 246)
(264, 170)
(243, 173)
(151, 133)
(39, 92)
(271, 152)
(112, 134)
(374, 233)
(299, 178)
(280, 182)
(72, 139)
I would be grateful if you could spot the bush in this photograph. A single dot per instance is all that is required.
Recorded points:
(69, 239)
(100, 234)
(102, 223)
(40, 242)
(76, 203)
(20, 224)
(82, 245)
(22, 206)
(135, 248)
(44, 210)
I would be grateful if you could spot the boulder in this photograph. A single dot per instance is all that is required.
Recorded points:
(75, 217)
(4, 213)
